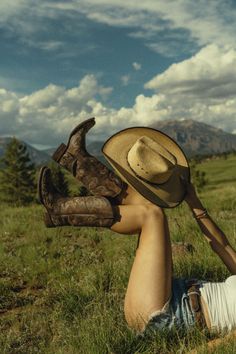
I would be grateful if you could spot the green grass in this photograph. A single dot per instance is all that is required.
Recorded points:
(62, 289)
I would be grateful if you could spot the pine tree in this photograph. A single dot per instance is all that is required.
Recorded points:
(17, 175)
(59, 179)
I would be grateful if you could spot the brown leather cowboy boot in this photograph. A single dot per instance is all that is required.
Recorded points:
(77, 211)
(94, 175)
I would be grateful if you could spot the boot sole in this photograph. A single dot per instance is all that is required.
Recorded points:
(62, 148)
(47, 220)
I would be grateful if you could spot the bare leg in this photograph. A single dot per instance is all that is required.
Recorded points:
(149, 286)
(130, 196)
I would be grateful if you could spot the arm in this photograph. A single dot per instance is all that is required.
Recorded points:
(213, 234)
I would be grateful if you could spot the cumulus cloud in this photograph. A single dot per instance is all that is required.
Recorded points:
(48, 115)
(202, 87)
(209, 73)
(136, 66)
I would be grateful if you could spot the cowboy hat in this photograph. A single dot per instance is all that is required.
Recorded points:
(150, 162)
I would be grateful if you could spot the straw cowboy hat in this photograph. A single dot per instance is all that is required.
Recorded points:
(150, 162)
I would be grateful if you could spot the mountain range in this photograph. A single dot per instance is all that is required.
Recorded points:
(194, 137)
(197, 138)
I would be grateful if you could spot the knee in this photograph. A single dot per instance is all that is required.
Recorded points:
(137, 315)
(135, 321)
(150, 212)
(153, 211)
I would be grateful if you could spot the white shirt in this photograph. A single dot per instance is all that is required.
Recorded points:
(221, 302)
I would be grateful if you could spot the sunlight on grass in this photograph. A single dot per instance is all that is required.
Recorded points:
(62, 289)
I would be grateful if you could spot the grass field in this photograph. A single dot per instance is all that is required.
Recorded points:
(62, 289)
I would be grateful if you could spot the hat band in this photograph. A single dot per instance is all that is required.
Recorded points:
(144, 179)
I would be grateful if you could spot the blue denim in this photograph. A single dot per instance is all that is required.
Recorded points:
(178, 313)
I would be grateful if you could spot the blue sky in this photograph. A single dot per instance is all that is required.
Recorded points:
(126, 63)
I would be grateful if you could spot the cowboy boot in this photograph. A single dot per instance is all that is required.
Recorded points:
(93, 174)
(77, 211)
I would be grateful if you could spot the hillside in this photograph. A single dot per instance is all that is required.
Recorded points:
(194, 137)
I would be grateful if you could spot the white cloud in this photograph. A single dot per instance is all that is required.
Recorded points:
(48, 45)
(165, 26)
(159, 22)
(209, 73)
(202, 87)
(136, 66)
(48, 115)
(217, 18)
(125, 79)
(43, 98)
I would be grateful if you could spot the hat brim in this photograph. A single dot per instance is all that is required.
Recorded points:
(167, 195)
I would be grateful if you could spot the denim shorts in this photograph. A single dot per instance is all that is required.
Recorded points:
(176, 313)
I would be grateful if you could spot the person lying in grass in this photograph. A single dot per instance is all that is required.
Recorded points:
(153, 175)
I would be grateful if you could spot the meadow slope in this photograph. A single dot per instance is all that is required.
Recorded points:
(62, 289)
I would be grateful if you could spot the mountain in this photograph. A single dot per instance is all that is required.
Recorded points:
(197, 138)
(95, 148)
(36, 156)
(49, 151)
(40, 157)
(194, 137)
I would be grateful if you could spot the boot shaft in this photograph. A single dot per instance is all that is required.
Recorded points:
(90, 205)
(82, 211)
(90, 220)
(93, 174)
(76, 211)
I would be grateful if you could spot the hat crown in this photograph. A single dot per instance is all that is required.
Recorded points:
(151, 161)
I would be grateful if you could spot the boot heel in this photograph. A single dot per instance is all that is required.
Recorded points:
(48, 221)
(59, 152)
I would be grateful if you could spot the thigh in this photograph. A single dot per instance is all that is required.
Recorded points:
(149, 287)
(130, 197)
(130, 219)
